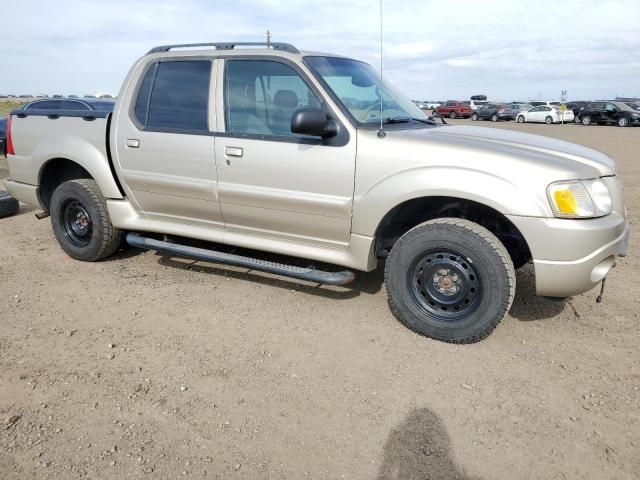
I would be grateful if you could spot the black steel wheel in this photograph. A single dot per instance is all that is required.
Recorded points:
(81, 222)
(450, 279)
(76, 222)
(445, 284)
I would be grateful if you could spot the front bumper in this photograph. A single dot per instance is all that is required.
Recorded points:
(572, 256)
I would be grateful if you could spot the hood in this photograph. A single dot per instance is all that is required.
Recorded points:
(563, 154)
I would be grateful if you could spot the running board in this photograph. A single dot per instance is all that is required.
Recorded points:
(310, 274)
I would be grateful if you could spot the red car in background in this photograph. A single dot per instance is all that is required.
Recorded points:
(453, 109)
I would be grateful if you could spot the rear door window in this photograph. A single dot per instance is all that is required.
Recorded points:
(73, 105)
(174, 95)
(45, 105)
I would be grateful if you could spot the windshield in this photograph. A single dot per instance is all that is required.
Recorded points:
(359, 88)
(624, 106)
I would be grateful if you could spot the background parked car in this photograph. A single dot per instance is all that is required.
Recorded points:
(635, 106)
(517, 107)
(493, 112)
(537, 103)
(576, 106)
(3, 135)
(71, 104)
(454, 109)
(476, 104)
(607, 113)
(545, 114)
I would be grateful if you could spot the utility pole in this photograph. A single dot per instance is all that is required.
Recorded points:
(268, 37)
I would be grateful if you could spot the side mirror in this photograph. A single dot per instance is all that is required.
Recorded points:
(314, 122)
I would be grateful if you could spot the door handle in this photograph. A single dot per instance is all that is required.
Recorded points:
(233, 151)
(133, 143)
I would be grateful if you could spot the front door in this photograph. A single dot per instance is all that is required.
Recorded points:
(164, 145)
(273, 183)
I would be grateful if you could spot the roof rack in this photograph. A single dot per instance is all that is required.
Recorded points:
(287, 47)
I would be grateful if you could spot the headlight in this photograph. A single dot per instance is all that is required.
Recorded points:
(579, 199)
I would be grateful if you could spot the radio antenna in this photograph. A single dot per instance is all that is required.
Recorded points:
(381, 133)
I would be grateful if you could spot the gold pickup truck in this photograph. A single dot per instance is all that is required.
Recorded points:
(314, 156)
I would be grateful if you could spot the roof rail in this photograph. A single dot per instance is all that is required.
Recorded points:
(287, 47)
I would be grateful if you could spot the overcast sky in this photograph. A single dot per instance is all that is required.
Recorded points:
(433, 49)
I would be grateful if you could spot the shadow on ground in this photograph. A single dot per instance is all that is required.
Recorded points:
(420, 449)
(368, 283)
(527, 306)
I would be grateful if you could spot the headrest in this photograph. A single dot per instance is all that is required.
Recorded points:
(285, 99)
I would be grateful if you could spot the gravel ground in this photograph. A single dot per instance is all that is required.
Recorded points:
(144, 366)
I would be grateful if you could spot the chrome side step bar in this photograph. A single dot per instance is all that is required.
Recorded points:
(310, 274)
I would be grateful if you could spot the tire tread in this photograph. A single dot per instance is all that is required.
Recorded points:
(498, 248)
(8, 205)
(112, 236)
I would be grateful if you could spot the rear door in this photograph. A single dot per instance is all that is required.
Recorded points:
(610, 113)
(275, 184)
(448, 107)
(597, 112)
(534, 114)
(165, 146)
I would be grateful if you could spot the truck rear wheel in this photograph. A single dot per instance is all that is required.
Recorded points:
(81, 221)
(450, 279)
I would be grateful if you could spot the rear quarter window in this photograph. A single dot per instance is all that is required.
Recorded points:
(144, 93)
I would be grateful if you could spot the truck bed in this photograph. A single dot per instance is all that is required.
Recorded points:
(39, 136)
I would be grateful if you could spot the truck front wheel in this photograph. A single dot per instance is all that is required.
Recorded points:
(450, 279)
(81, 221)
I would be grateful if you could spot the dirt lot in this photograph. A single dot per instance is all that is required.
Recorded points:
(149, 367)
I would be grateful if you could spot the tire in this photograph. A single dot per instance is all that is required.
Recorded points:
(452, 115)
(520, 119)
(480, 280)
(81, 222)
(8, 205)
(474, 117)
(548, 120)
(586, 120)
(623, 122)
(494, 118)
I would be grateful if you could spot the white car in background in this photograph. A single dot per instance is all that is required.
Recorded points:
(537, 103)
(545, 114)
(476, 104)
